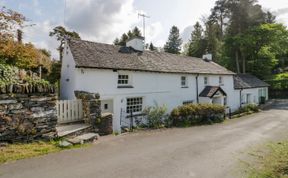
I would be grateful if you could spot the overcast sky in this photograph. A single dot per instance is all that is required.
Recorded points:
(104, 20)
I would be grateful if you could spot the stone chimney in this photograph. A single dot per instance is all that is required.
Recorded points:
(207, 57)
(136, 43)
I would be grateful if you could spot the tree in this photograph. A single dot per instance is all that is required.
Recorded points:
(197, 44)
(151, 47)
(10, 21)
(123, 40)
(24, 56)
(136, 32)
(55, 73)
(264, 45)
(220, 14)
(61, 35)
(173, 45)
(125, 37)
(269, 17)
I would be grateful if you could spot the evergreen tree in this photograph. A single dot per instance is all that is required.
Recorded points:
(151, 47)
(116, 41)
(173, 45)
(136, 32)
(123, 39)
(197, 44)
(269, 17)
(220, 14)
(130, 34)
(61, 33)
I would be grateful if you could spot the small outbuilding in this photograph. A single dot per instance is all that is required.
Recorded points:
(251, 89)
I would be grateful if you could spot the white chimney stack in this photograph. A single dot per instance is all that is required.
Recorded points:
(136, 43)
(207, 57)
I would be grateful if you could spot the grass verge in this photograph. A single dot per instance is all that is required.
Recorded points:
(18, 151)
(273, 163)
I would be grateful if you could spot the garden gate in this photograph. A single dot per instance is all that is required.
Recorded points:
(69, 111)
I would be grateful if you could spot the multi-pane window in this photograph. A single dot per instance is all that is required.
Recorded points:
(123, 79)
(183, 81)
(134, 105)
(205, 80)
(220, 80)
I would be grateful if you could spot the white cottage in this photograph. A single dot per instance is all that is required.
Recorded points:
(250, 89)
(130, 78)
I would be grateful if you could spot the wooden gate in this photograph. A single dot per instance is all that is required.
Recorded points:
(69, 111)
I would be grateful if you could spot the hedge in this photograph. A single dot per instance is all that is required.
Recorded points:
(197, 114)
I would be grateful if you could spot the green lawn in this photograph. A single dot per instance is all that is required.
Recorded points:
(273, 163)
(27, 150)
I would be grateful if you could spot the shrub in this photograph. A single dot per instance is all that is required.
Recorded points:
(156, 116)
(193, 114)
(247, 108)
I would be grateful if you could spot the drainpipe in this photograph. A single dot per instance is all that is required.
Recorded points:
(241, 97)
(197, 93)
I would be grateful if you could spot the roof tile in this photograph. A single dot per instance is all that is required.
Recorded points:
(97, 55)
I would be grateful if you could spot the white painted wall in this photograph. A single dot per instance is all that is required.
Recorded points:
(227, 86)
(67, 81)
(160, 88)
(255, 95)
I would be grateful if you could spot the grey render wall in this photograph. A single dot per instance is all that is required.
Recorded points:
(28, 116)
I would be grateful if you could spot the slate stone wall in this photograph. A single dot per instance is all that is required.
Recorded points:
(105, 125)
(91, 107)
(28, 116)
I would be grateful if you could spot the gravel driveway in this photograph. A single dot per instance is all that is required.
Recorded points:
(205, 151)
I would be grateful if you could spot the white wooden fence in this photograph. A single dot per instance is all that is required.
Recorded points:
(69, 111)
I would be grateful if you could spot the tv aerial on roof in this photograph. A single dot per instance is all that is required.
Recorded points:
(143, 19)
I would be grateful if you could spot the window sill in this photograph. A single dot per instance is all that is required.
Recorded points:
(185, 87)
(125, 86)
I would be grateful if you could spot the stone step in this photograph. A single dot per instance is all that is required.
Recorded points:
(72, 129)
(84, 138)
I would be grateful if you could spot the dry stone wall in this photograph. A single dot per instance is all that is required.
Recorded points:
(102, 123)
(27, 116)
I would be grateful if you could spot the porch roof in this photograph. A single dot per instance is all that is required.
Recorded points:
(210, 91)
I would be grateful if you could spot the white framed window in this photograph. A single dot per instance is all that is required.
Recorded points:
(221, 80)
(123, 79)
(184, 82)
(206, 80)
(134, 105)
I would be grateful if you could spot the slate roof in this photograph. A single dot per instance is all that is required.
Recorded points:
(210, 91)
(104, 56)
(244, 81)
